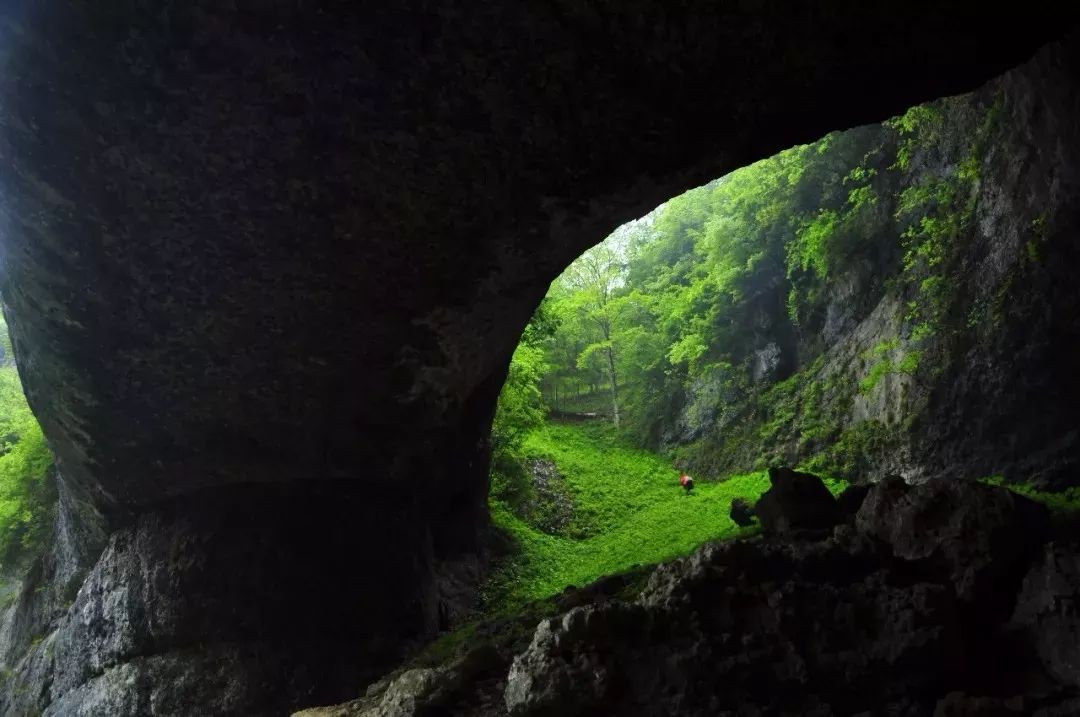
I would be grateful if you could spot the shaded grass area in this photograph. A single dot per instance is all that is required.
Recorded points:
(511, 628)
(1066, 502)
(628, 510)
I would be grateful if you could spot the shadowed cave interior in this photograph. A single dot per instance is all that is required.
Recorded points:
(265, 268)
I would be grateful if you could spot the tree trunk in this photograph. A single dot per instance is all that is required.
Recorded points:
(614, 388)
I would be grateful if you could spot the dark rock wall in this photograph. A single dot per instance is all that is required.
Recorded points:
(1007, 402)
(995, 390)
(248, 244)
(992, 322)
(207, 585)
(945, 598)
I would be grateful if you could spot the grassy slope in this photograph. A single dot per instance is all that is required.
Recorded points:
(629, 510)
(1065, 502)
(633, 512)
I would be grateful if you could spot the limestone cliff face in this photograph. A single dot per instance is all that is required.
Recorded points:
(960, 370)
(1005, 402)
(264, 270)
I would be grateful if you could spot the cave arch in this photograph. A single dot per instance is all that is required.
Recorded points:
(265, 266)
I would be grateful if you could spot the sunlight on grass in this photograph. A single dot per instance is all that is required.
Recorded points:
(629, 510)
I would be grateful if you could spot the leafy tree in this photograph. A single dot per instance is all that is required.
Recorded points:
(593, 282)
(520, 408)
(27, 488)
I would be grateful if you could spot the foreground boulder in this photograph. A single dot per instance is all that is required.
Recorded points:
(746, 628)
(742, 513)
(795, 502)
(979, 534)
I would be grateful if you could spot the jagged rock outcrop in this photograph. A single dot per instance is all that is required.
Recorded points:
(1046, 610)
(551, 508)
(877, 616)
(295, 247)
(794, 502)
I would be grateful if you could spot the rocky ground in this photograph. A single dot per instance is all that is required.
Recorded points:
(552, 508)
(948, 598)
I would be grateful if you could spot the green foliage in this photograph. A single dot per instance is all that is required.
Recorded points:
(520, 409)
(674, 322)
(1066, 502)
(687, 309)
(855, 451)
(878, 371)
(590, 307)
(7, 353)
(662, 304)
(884, 364)
(811, 249)
(629, 510)
(27, 489)
(919, 126)
(937, 210)
(1031, 251)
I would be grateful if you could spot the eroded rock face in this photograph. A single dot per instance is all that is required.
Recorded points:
(1047, 610)
(195, 607)
(296, 247)
(1004, 404)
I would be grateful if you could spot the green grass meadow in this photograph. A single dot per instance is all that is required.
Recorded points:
(629, 510)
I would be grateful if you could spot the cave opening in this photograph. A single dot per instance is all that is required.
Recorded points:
(803, 311)
(818, 310)
(266, 272)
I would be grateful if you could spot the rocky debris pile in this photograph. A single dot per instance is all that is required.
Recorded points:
(946, 598)
(551, 509)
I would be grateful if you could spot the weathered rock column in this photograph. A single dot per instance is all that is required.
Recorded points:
(237, 603)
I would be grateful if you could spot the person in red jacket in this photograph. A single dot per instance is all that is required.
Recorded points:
(686, 482)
